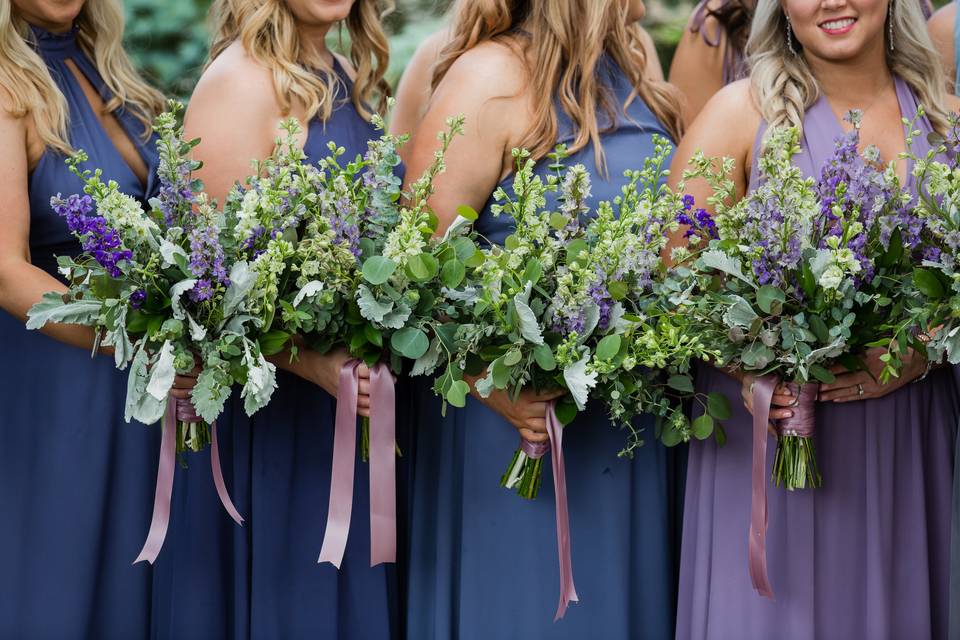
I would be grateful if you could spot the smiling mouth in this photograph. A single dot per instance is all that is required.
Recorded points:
(838, 26)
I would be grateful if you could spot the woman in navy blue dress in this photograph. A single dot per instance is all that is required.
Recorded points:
(483, 562)
(76, 482)
(269, 61)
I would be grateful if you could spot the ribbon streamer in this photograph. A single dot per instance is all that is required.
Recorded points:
(183, 411)
(383, 491)
(535, 450)
(164, 492)
(762, 396)
(383, 460)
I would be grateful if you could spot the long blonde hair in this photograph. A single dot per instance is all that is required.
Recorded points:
(784, 85)
(566, 41)
(33, 92)
(268, 32)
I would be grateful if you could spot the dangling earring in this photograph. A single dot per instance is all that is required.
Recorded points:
(790, 36)
(890, 22)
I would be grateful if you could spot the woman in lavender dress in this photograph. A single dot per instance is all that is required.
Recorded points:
(866, 555)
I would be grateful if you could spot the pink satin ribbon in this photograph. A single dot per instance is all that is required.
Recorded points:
(183, 411)
(383, 490)
(800, 424)
(535, 450)
(762, 395)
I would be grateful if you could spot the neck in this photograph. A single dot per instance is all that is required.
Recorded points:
(52, 27)
(857, 81)
(313, 38)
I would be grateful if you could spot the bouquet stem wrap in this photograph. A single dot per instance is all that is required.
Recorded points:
(568, 593)
(179, 411)
(795, 465)
(800, 426)
(383, 490)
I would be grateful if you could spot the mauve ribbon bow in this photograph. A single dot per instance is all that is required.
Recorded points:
(534, 450)
(383, 489)
(183, 411)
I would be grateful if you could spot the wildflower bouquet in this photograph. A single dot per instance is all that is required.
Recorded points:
(165, 288)
(934, 290)
(800, 274)
(567, 303)
(365, 271)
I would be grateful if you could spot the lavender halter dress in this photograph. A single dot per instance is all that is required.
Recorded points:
(866, 555)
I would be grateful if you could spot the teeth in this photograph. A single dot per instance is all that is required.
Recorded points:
(838, 24)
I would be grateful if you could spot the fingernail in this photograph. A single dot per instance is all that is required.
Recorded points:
(789, 414)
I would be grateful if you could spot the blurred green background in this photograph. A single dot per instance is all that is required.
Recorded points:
(168, 38)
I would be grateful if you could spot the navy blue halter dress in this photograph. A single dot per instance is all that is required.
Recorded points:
(483, 561)
(76, 481)
(262, 580)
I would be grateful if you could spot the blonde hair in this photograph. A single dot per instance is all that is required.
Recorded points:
(566, 41)
(268, 32)
(33, 92)
(784, 85)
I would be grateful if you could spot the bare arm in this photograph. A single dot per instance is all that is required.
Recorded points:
(654, 70)
(22, 284)
(414, 90)
(941, 26)
(481, 85)
(697, 68)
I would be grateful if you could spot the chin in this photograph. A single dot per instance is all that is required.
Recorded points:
(50, 14)
(320, 12)
(635, 11)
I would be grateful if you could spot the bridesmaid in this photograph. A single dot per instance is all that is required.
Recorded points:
(414, 89)
(483, 562)
(944, 27)
(866, 555)
(269, 61)
(710, 54)
(76, 482)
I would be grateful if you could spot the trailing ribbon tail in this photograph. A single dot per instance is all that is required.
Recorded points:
(763, 389)
(218, 477)
(161, 501)
(344, 454)
(568, 592)
(383, 477)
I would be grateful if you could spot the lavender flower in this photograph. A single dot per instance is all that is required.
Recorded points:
(99, 240)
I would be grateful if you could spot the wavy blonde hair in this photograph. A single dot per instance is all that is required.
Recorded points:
(268, 32)
(33, 92)
(784, 85)
(566, 41)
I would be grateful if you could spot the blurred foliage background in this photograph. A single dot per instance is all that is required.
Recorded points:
(169, 38)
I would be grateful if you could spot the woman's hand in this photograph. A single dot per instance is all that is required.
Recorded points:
(183, 384)
(780, 404)
(323, 370)
(851, 386)
(528, 414)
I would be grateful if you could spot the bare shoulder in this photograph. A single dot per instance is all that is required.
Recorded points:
(727, 125)
(734, 103)
(239, 80)
(489, 70)
(953, 103)
(941, 23)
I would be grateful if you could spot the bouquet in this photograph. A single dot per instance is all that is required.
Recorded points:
(355, 265)
(801, 274)
(165, 288)
(568, 303)
(934, 289)
(168, 289)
